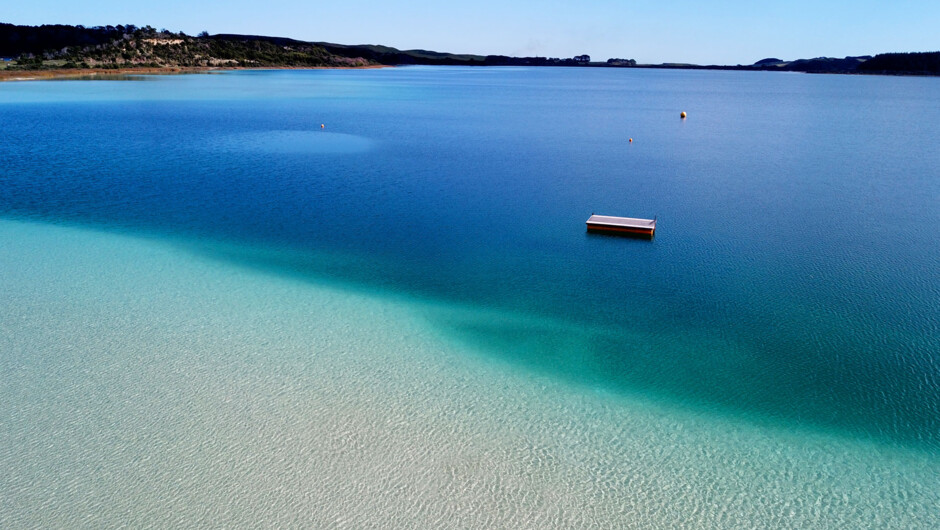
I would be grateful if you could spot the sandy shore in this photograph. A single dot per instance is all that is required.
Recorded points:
(65, 73)
(147, 383)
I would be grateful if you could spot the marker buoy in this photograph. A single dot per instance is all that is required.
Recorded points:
(631, 140)
(682, 115)
(322, 126)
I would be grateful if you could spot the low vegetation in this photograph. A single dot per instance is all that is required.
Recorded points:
(926, 63)
(112, 47)
(130, 47)
(103, 47)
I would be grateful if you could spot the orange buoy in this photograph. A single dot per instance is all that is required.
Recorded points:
(631, 140)
(682, 115)
(322, 126)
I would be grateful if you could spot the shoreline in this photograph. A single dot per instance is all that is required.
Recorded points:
(199, 406)
(72, 73)
(79, 73)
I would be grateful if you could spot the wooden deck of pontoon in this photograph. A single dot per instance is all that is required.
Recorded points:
(621, 225)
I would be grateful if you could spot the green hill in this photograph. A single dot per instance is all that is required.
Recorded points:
(62, 46)
(58, 46)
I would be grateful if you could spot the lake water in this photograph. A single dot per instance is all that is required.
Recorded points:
(217, 312)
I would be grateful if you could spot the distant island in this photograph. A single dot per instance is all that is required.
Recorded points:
(30, 51)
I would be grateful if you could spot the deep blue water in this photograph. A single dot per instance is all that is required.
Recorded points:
(794, 277)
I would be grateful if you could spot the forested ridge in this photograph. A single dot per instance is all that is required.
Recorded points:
(128, 46)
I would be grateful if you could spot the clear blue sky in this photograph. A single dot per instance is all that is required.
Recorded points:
(652, 31)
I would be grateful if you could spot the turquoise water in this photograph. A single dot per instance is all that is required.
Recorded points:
(195, 268)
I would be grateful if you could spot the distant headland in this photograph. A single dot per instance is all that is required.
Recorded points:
(51, 50)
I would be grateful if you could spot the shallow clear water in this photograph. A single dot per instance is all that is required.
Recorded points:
(770, 358)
